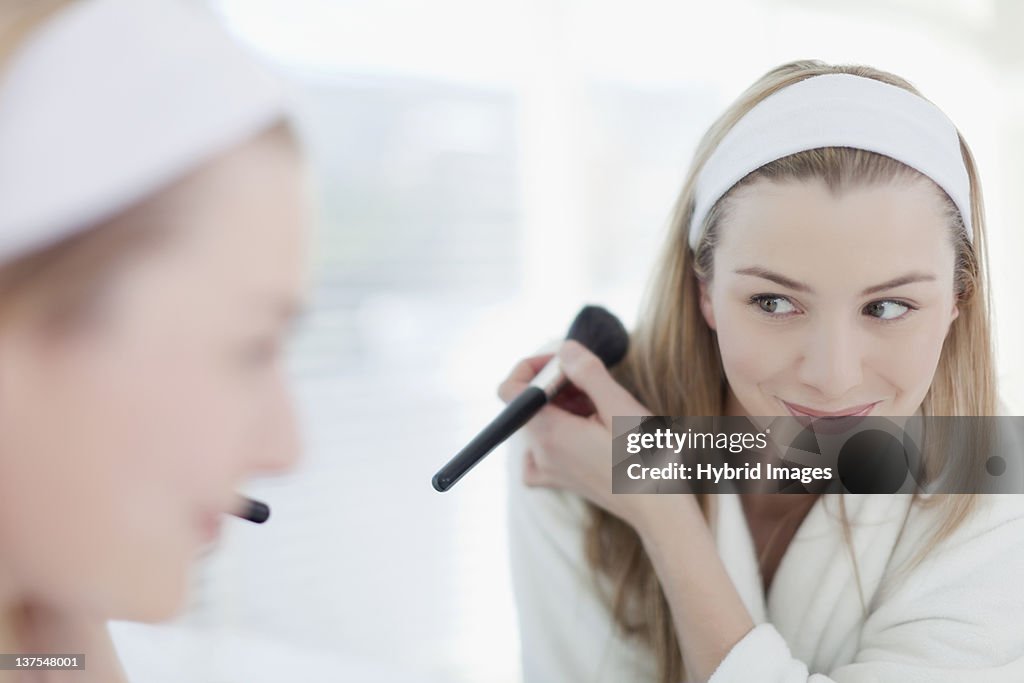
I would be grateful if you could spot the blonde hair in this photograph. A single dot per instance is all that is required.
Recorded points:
(674, 367)
(57, 283)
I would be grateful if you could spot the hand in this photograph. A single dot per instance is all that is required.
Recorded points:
(569, 441)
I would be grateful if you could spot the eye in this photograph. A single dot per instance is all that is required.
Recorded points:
(888, 309)
(772, 304)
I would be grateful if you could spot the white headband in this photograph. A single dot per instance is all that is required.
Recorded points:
(839, 110)
(109, 100)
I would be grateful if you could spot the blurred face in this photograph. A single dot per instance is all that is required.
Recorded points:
(123, 441)
(827, 305)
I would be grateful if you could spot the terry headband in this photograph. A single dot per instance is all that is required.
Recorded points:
(108, 101)
(840, 110)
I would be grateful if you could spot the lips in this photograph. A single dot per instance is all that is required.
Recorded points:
(209, 526)
(799, 410)
(835, 422)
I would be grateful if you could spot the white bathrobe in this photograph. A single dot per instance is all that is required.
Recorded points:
(959, 617)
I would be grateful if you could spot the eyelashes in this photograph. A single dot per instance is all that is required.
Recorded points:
(760, 300)
(777, 301)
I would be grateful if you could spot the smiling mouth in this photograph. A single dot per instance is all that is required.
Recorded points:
(830, 423)
(803, 411)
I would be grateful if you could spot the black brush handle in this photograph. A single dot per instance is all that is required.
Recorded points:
(515, 415)
(254, 511)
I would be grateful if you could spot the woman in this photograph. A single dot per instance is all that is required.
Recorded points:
(826, 258)
(151, 258)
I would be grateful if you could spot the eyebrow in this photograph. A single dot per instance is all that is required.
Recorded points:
(907, 279)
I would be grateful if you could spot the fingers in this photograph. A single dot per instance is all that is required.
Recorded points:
(524, 371)
(585, 370)
(563, 436)
(531, 473)
(550, 431)
(545, 439)
(570, 398)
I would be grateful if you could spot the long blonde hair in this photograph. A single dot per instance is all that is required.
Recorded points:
(674, 367)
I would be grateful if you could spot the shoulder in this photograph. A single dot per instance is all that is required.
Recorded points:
(990, 521)
(978, 562)
(960, 605)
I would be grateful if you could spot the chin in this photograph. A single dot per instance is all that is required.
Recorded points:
(160, 596)
(157, 610)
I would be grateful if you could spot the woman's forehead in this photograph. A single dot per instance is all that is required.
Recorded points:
(856, 238)
(792, 213)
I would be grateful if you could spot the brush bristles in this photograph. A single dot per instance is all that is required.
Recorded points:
(601, 332)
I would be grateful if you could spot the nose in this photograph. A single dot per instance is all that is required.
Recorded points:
(833, 358)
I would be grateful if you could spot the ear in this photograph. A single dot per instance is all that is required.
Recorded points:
(706, 309)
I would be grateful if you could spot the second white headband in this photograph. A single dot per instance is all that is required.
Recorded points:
(108, 101)
(837, 110)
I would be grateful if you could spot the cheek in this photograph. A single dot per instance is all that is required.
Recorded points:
(97, 527)
(906, 360)
(117, 455)
(902, 359)
(750, 353)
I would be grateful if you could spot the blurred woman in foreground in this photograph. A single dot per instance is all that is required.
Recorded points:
(152, 256)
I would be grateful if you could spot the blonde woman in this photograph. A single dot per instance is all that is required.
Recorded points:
(827, 257)
(152, 244)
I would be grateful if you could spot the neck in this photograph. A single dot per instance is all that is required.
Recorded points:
(27, 626)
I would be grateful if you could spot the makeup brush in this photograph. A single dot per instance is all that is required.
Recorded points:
(596, 329)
